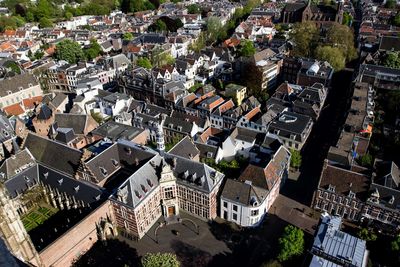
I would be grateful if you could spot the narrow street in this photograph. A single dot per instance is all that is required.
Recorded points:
(325, 133)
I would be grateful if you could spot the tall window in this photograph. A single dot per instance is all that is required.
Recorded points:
(168, 193)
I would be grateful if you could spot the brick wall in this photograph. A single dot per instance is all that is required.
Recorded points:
(75, 241)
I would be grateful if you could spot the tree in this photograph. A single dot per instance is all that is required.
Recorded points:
(93, 51)
(347, 19)
(97, 117)
(144, 62)
(158, 26)
(194, 9)
(291, 243)
(392, 60)
(391, 3)
(127, 36)
(396, 20)
(342, 37)
(333, 55)
(38, 54)
(160, 260)
(136, 5)
(69, 50)
(366, 160)
(366, 235)
(247, 48)
(68, 15)
(295, 159)
(395, 244)
(304, 36)
(215, 30)
(45, 23)
(199, 44)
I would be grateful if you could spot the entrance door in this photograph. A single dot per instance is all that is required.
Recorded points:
(171, 210)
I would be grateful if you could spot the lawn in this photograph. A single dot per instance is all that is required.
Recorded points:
(37, 216)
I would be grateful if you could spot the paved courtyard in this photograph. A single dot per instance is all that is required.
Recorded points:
(182, 239)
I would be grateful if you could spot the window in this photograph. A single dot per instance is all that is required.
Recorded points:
(225, 204)
(168, 193)
(225, 215)
(234, 216)
(254, 212)
(234, 207)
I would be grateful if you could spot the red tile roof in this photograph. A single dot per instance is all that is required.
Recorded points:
(15, 110)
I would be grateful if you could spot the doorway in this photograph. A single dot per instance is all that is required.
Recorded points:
(171, 210)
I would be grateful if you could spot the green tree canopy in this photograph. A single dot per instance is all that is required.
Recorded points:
(128, 36)
(93, 51)
(333, 55)
(136, 5)
(158, 26)
(391, 3)
(247, 48)
(200, 43)
(295, 159)
(396, 20)
(45, 23)
(215, 30)
(144, 62)
(392, 60)
(69, 50)
(366, 160)
(347, 19)
(194, 9)
(160, 260)
(291, 243)
(395, 244)
(304, 36)
(342, 37)
(367, 235)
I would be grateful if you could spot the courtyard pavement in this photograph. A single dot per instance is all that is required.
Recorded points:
(186, 244)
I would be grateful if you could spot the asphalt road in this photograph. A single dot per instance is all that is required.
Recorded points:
(325, 133)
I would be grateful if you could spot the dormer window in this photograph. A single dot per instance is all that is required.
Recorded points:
(27, 179)
(46, 174)
(144, 189)
(138, 195)
(209, 154)
(97, 197)
(391, 200)
(115, 162)
(76, 188)
(352, 194)
(103, 171)
(60, 181)
(21, 88)
(331, 188)
(149, 183)
(186, 174)
(179, 128)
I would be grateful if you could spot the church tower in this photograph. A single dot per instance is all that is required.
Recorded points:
(160, 138)
(13, 232)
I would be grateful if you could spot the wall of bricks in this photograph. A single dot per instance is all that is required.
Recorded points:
(75, 241)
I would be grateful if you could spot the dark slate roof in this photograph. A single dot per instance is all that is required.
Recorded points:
(247, 135)
(119, 155)
(286, 126)
(58, 99)
(115, 131)
(243, 193)
(345, 180)
(53, 154)
(6, 128)
(207, 151)
(80, 190)
(185, 148)
(292, 7)
(194, 174)
(13, 84)
(23, 181)
(17, 163)
(173, 123)
(390, 43)
(74, 121)
(44, 113)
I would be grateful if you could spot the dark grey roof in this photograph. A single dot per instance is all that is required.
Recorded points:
(6, 128)
(73, 121)
(247, 135)
(79, 189)
(290, 123)
(207, 151)
(114, 131)
(44, 113)
(65, 135)
(53, 154)
(13, 84)
(22, 181)
(243, 193)
(185, 148)
(173, 123)
(390, 43)
(58, 100)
